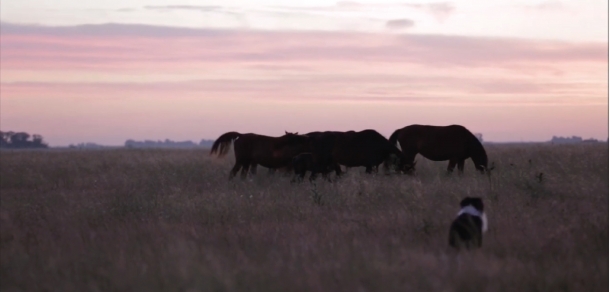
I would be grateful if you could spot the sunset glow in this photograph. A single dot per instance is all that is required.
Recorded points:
(144, 70)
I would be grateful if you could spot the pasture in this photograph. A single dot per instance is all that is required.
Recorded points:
(169, 220)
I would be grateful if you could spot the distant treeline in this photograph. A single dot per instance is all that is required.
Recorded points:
(573, 140)
(88, 145)
(168, 144)
(21, 140)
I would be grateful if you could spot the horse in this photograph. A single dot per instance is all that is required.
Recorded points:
(253, 149)
(439, 143)
(366, 148)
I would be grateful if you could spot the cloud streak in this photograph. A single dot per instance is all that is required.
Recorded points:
(202, 8)
(399, 24)
(129, 45)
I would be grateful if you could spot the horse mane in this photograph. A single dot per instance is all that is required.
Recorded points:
(222, 145)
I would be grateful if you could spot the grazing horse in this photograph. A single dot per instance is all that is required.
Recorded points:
(253, 149)
(366, 148)
(331, 149)
(439, 143)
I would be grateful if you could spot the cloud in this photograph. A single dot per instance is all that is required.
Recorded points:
(348, 4)
(338, 6)
(400, 23)
(126, 10)
(440, 10)
(134, 72)
(551, 5)
(119, 45)
(105, 30)
(480, 91)
(206, 8)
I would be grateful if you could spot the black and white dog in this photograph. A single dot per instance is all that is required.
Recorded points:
(468, 227)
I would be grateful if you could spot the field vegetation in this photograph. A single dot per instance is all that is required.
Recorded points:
(169, 220)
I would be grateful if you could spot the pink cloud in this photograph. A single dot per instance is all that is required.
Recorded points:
(225, 77)
(120, 46)
(400, 23)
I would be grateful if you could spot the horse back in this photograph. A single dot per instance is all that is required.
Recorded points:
(436, 142)
(363, 148)
(260, 149)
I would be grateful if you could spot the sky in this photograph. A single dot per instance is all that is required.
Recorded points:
(106, 71)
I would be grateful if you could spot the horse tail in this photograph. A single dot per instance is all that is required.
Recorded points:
(223, 143)
(394, 137)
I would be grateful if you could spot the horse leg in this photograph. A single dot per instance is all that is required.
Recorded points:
(369, 169)
(234, 170)
(312, 176)
(253, 168)
(296, 178)
(451, 166)
(409, 166)
(337, 168)
(302, 173)
(460, 166)
(244, 171)
(326, 176)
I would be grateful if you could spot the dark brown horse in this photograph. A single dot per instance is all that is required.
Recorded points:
(253, 149)
(366, 148)
(439, 143)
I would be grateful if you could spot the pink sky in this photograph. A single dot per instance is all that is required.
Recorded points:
(107, 83)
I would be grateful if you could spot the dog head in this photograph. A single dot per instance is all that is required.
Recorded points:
(474, 206)
(475, 202)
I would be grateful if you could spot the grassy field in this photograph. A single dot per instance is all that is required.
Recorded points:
(169, 220)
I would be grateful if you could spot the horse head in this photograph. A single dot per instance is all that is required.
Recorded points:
(408, 168)
(486, 170)
(399, 162)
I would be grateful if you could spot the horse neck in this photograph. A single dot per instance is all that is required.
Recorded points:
(479, 155)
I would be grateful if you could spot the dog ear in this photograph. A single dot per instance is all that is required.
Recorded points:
(465, 202)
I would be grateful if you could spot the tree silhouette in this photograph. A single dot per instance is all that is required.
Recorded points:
(12, 139)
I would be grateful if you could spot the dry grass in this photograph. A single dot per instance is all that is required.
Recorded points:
(168, 220)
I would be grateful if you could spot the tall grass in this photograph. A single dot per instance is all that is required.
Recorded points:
(169, 220)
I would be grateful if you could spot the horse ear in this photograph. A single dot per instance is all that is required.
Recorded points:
(286, 132)
(296, 133)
